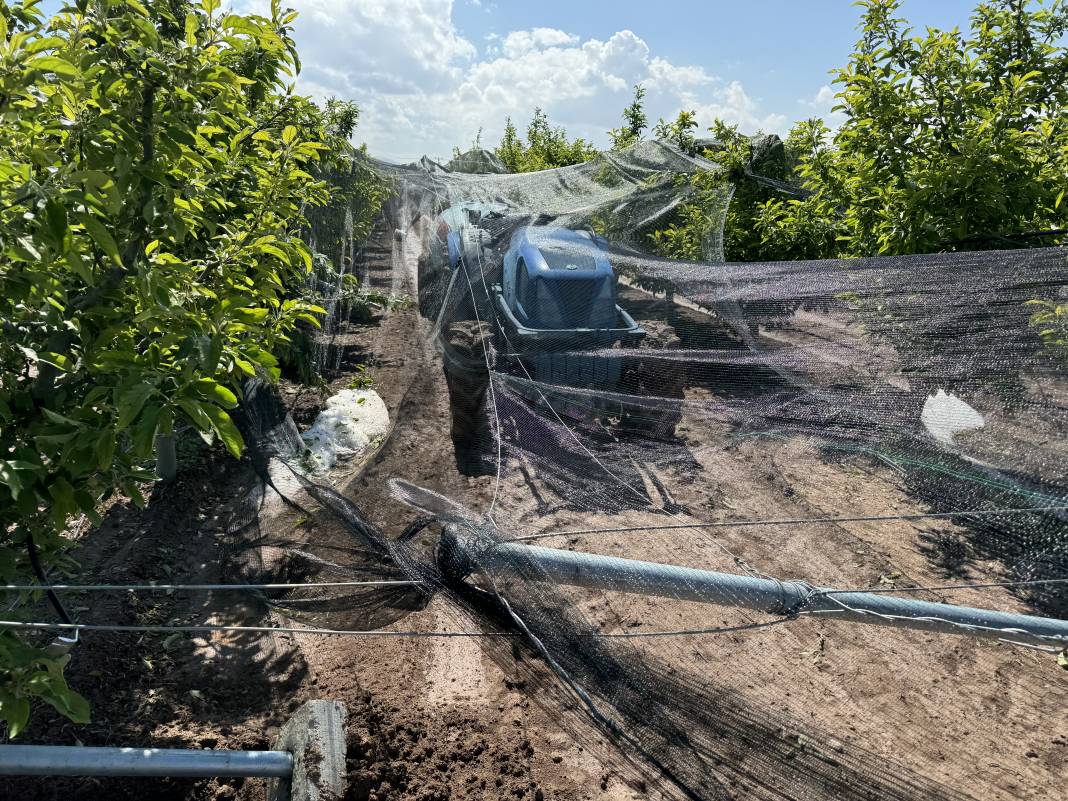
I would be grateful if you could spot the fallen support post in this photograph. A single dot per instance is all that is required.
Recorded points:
(465, 554)
(315, 736)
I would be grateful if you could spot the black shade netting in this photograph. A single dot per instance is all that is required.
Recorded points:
(889, 424)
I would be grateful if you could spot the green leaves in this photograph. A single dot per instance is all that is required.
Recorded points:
(58, 694)
(213, 391)
(31, 673)
(15, 474)
(196, 413)
(679, 130)
(948, 140)
(15, 711)
(192, 25)
(154, 173)
(545, 147)
(54, 64)
(208, 417)
(226, 430)
(101, 236)
(1051, 322)
(64, 504)
(129, 403)
(55, 231)
(250, 316)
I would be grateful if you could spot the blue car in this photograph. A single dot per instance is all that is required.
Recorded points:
(536, 304)
(558, 286)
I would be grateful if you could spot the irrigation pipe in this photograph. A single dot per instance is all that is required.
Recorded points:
(72, 760)
(788, 598)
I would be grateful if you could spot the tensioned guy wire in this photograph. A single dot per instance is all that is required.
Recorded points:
(199, 587)
(16, 624)
(787, 521)
(203, 629)
(951, 587)
(224, 587)
(359, 633)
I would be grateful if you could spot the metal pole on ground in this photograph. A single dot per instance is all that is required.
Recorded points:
(74, 760)
(308, 765)
(533, 563)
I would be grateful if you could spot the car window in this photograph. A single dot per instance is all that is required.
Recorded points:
(569, 258)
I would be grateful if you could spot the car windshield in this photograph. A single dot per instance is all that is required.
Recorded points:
(573, 258)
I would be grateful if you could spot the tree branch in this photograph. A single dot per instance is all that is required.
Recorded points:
(135, 245)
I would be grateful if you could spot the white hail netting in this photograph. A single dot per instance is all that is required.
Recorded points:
(883, 423)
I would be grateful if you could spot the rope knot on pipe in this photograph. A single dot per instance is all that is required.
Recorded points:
(791, 611)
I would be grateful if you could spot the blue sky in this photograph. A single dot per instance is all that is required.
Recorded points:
(780, 50)
(761, 64)
(792, 39)
(428, 74)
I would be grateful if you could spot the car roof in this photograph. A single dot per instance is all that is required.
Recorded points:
(563, 248)
(548, 235)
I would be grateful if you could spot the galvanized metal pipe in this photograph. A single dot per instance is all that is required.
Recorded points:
(71, 760)
(763, 594)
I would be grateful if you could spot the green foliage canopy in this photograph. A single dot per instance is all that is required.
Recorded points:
(546, 147)
(154, 170)
(634, 122)
(679, 131)
(951, 140)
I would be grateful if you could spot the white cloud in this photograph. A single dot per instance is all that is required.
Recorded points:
(731, 104)
(621, 61)
(519, 42)
(422, 87)
(663, 73)
(820, 105)
(381, 46)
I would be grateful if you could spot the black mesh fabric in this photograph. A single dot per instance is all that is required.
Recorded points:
(882, 423)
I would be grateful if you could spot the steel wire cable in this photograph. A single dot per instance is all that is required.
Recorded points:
(197, 587)
(108, 627)
(928, 618)
(787, 521)
(951, 587)
(17, 624)
(752, 625)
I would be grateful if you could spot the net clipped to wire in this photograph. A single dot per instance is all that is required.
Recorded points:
(876, 423)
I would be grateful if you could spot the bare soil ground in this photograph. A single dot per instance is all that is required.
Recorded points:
(442, 719)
